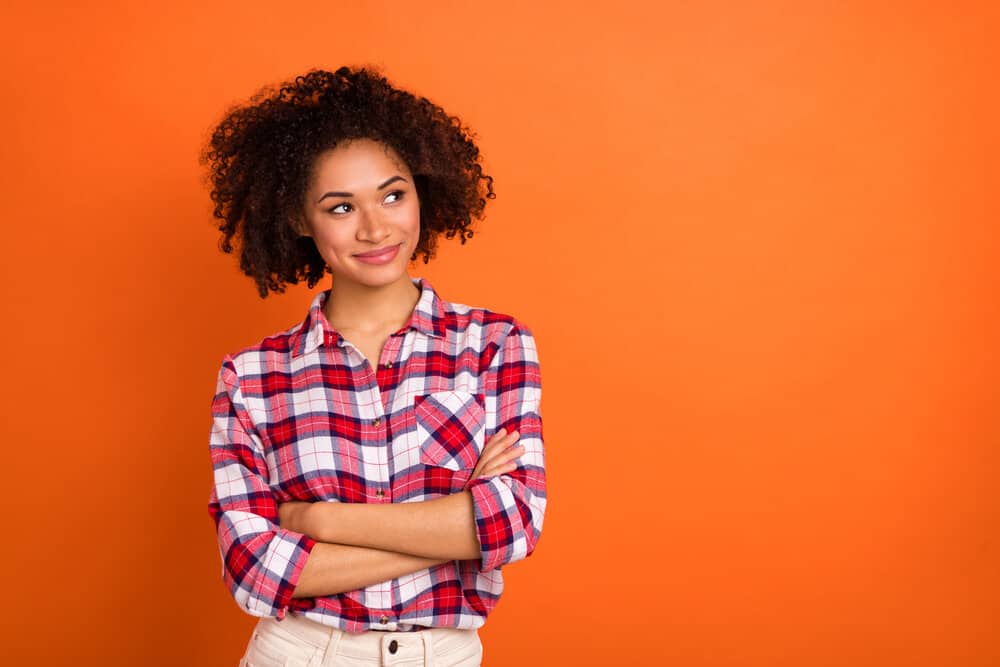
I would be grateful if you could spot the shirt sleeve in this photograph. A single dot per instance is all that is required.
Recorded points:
(261, 562)
(509, 508)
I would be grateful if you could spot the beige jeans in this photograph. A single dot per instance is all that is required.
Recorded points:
(296, 641)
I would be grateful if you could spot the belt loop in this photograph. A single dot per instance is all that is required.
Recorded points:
(428, 647)
(329, 652)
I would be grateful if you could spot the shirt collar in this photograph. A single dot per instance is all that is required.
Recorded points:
(427, 317)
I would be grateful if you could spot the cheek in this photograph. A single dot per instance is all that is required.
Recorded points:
(413, 218)
(414, 224)
(331, 241)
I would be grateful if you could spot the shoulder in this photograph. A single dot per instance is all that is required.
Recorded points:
(271, 352)
(461, 317)
(487, 325)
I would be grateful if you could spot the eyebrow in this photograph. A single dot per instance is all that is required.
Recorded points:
(350, 194)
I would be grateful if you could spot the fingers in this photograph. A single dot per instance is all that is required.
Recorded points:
(499, 447)
(499, 455)
(498, 469)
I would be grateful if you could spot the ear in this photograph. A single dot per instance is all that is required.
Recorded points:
(300, 227)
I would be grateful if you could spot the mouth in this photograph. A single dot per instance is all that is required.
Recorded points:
(381, 252)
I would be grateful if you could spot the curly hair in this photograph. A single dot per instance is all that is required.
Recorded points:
(261, 158)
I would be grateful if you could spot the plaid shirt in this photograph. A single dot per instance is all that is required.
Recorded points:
(303, 416)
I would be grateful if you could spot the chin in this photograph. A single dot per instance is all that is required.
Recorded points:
(375, 276)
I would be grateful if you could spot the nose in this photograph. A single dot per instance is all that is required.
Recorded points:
(372, 226)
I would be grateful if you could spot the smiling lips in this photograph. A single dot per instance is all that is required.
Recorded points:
(379, 256)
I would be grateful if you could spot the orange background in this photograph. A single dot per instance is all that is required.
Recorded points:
(756, 244)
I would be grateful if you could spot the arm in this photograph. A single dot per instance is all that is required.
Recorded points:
(261, 561)
(442, 528)
(266, 565)
(336, 568)
(497, 519)
(510, 508)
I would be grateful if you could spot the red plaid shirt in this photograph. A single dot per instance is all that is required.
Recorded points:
(303, 416)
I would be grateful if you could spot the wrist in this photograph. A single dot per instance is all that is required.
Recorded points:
(306, 523)
(316, 520)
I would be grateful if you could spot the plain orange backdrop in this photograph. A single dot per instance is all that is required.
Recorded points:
(756, 242)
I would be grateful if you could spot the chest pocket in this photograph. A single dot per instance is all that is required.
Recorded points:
(451, 428)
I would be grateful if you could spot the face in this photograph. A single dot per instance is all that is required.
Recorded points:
(362, 198)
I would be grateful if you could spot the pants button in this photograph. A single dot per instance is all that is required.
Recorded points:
(393, 646)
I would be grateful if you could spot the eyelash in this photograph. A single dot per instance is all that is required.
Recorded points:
(400, 194)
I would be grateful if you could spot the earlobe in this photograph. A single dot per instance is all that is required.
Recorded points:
(300, 228)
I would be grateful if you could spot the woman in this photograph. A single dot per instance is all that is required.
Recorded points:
(376, 464)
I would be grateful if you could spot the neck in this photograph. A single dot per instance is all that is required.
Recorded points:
(352, 306)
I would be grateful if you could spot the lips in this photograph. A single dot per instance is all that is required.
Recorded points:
(380, 252)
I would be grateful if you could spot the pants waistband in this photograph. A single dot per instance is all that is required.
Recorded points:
(392, 645)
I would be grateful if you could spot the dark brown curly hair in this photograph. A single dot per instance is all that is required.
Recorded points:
(261, 158)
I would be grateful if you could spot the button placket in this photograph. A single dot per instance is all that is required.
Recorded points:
(376, 423)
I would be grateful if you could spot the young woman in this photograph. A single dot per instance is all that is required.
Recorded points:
(378, 462)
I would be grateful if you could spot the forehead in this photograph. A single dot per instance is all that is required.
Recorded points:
(358, 161)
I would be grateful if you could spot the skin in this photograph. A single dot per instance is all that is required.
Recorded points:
(362, 544)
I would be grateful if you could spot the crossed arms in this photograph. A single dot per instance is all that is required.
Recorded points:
(361, 544)
(272, 552)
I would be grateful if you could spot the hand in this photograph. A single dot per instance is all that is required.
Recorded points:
(498, 455)
(291, 516)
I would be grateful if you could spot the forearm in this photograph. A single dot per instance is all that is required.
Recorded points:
(337, 568)
(439, 528)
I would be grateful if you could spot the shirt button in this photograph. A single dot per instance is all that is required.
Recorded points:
(388, 364)
(380, 493)
(376, 421)
(393, 645)
(384, 619)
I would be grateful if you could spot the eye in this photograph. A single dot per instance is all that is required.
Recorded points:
(398, 194)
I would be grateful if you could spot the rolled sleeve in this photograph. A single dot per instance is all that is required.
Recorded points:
(510, 508)
(261, 562)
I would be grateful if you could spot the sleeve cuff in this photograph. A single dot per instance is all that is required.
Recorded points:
(288, 556)
(490, 500)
